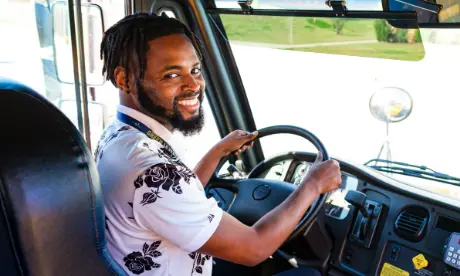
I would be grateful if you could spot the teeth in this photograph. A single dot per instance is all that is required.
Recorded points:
(189, 102)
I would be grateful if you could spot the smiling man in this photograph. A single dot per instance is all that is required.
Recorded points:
(158, 219)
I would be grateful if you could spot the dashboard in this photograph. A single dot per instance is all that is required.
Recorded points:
(407, 232)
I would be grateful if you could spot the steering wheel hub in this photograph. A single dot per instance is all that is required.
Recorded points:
(261, 192)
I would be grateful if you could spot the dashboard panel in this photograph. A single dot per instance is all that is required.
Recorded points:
(409, 233)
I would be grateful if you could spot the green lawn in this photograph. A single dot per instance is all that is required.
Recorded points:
(277, 30)
(285, 31)
(399, 51)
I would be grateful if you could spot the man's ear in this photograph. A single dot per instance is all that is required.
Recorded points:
(120, 79)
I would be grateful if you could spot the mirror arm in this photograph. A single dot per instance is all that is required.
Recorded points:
(337, 5)
(246, 6)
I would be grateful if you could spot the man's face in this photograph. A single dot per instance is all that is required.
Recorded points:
(173, 87)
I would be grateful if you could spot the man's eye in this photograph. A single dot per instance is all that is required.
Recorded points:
(170, 76)
(196, 71)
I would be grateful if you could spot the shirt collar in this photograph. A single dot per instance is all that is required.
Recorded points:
(175, 141)
(151, 123)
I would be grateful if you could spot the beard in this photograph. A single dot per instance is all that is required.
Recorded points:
(187, 127)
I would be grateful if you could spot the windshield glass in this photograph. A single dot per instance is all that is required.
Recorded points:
(322, 74)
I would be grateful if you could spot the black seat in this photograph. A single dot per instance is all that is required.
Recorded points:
(51, 205)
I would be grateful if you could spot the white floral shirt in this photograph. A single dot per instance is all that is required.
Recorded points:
(157, 214)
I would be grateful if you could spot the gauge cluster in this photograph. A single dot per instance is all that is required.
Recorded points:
(278, 171)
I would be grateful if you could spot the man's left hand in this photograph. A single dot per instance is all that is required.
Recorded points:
(236, 142)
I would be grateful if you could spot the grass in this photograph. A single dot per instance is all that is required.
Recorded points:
(298, 30)
(398, 51)
(278, 30)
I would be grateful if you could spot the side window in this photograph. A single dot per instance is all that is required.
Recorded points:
(198, 145)
(39, 54)
(27, 54)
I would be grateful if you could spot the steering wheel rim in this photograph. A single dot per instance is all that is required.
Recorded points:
(311, 213)
(287, 129)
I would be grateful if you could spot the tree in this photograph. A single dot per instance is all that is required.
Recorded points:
(338, 26)
(386, 33)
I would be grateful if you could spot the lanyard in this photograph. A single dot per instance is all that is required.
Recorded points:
(144, 129)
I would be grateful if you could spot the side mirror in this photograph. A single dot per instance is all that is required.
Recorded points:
(429, 13)
(93, 31)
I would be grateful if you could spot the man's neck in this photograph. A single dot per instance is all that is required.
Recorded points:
(159, 119)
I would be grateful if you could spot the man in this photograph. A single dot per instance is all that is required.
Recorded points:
(159, 221)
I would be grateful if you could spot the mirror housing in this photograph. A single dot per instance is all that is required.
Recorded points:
(430, 14)
(93, 31)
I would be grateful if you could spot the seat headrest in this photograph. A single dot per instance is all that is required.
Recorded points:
(51, 206)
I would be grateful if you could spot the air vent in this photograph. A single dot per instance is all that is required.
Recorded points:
(412, 222)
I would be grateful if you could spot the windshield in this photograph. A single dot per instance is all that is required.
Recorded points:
(321, 74)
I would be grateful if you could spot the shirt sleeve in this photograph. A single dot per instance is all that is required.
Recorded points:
(168, 202)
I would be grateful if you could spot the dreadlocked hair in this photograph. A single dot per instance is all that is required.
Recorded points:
(126, 43)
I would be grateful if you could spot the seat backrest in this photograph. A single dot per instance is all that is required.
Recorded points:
(52, 218)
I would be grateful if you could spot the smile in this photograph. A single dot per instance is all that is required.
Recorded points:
(190, 103)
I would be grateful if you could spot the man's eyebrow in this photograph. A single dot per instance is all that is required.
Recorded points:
(177, 67)
(171, 67)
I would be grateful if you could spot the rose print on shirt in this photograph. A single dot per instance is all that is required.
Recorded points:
(199, 261)
(170, 156)
(162, 175)
(185, 174)
(159, 177)
(139, 181)
(138, 262)
(131, 210)
(150, 197)
(104, 140)
(106, 224)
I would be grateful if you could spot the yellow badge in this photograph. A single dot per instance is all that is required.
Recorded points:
(390, 270)
(420, 261)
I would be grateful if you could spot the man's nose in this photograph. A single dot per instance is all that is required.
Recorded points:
(191, 83)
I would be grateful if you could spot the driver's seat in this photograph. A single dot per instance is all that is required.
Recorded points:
(51, 205)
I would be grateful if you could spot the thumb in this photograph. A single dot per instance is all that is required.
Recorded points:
(251, 136)
(319, 157)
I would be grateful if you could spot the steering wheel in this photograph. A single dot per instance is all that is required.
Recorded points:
(254, 197)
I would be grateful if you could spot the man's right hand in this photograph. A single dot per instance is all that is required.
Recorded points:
(235, 242)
